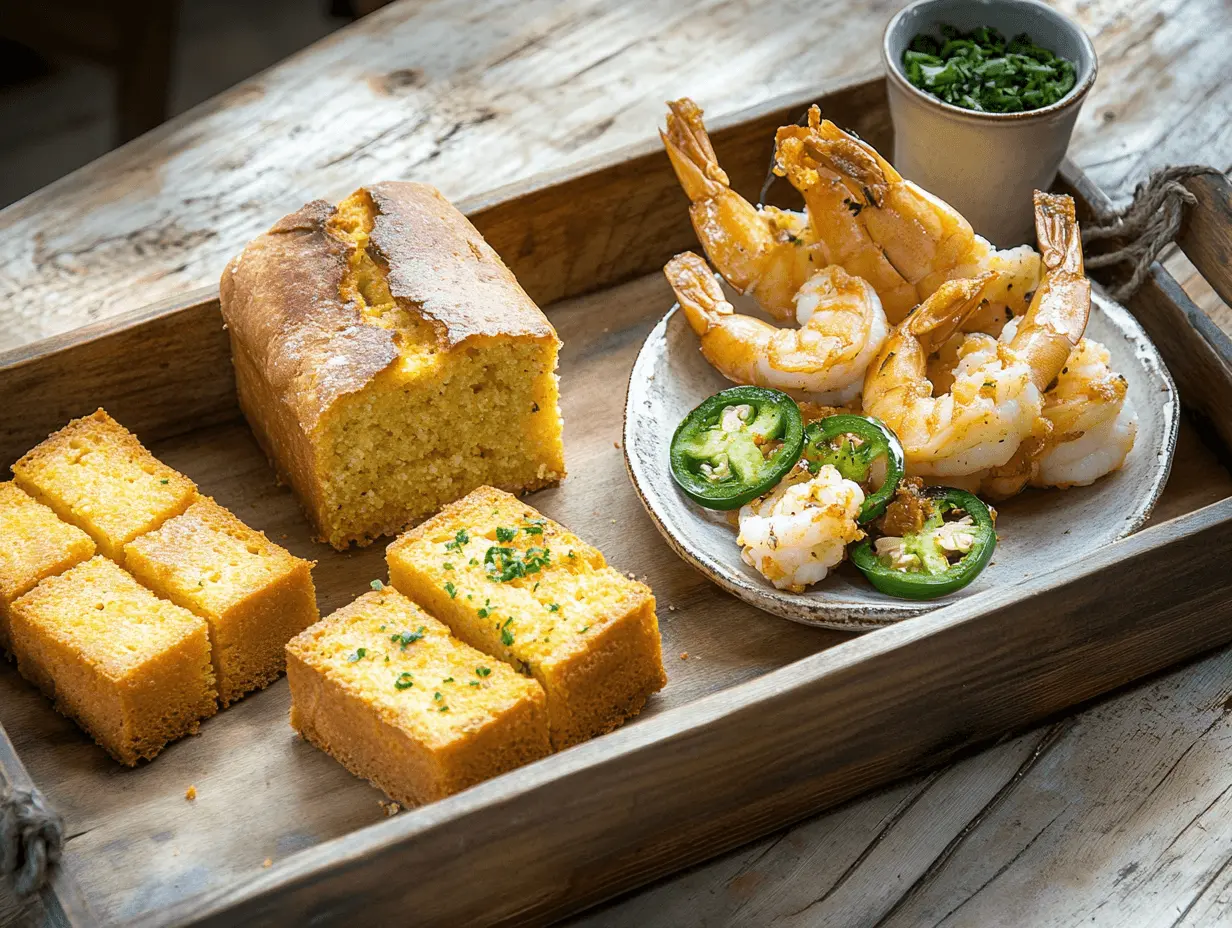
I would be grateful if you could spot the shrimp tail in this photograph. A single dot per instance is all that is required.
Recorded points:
(698, 291)
(692, 156)
(1058, 313)
(942, 314)
(1056, 230)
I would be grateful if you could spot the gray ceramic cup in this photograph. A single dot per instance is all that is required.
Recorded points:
(984, 164)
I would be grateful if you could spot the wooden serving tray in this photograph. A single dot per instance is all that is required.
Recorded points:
(765, 721)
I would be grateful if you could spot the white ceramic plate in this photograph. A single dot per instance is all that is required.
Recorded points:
(1039, 530)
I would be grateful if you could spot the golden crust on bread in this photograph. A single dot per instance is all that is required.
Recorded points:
(389, 362)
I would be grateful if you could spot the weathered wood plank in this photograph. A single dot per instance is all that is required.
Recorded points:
(534, 87)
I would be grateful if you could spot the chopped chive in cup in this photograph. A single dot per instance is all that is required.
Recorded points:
(979, 70)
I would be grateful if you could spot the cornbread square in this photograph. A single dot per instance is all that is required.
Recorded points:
(131, 669)
(96, 475)
(389, 362)
(386, 690)
(34, 545)
(254, 595)
(522, 588)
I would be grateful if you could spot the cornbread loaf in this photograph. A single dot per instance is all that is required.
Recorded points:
(520, 587)
(388, 361)
(96, 475)
(34, 545)
(386, 690)
(254, 595)
(131, 669)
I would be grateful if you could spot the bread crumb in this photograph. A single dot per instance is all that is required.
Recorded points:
(684, 655)
(267, 863)
(191, 793)
(616, 445)
(671, 607)
(391, 808)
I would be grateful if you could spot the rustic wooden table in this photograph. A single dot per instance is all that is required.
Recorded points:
(1118, 815)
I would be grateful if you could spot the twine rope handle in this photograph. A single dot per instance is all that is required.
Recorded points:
(1147, 225)
(31, 839)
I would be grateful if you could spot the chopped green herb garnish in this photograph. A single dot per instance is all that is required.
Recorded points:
(405, 638)
(404, 681)
(535, 527)
(437, 696)
(447, 566)
(506, 636)
(443, 709)
(359, 655)
(451, 589)
(377, 585)
(482, 671)
(484, 612)
(585, 629)
(980, 70)
(474, 562)
(472, 683)
(460, 540)
(505, 535)
(447, 680)
(553, 607)
(165, 481)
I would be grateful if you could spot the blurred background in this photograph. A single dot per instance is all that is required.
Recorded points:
(79, 77)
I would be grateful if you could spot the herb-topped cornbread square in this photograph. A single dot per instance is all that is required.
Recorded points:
(387, 691)
(34, 544)
(520, 587)
(254, 594)
(131, 669)
(96, 475)
(388, 361)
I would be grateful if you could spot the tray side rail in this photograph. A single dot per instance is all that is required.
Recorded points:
(608, 816)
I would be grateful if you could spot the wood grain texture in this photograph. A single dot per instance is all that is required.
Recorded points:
(1206, 233)
(534, 87)
(546, 85)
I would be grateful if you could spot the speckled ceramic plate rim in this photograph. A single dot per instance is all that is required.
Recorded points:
(811, 607)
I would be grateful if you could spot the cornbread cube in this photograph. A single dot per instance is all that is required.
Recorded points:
(131, 669)
(386, 690)
(96, 475)
(254, 595)
(389, 362)
(522, 588)
(34, 545)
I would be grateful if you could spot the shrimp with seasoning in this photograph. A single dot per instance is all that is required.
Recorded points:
(993, 411)
(878, 225)
(842, 327)
(797, 533)
(766, 253)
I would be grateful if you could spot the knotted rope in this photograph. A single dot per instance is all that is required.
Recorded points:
(1146, 226)
(31, 838)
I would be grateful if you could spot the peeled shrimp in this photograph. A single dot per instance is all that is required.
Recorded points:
(1094, 424)
(842, 327)
(902, 239)
(794, 535)
(993, 410)
(765, 253)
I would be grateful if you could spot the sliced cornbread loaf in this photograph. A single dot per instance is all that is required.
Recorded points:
(34, 544)
(388, 361)
(388, 692)
(254, 594)
(132, 669)
(518, 586)
(96, 475)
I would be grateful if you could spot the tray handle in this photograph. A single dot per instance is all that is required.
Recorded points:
(1206, 231)
(63, 904)
(1198, 353)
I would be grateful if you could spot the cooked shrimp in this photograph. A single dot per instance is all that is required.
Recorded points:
(991, 407)
(990, 425)
(765, 253)
(902, 239)
(842, 327)
(1094, 424)
(795, 534)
